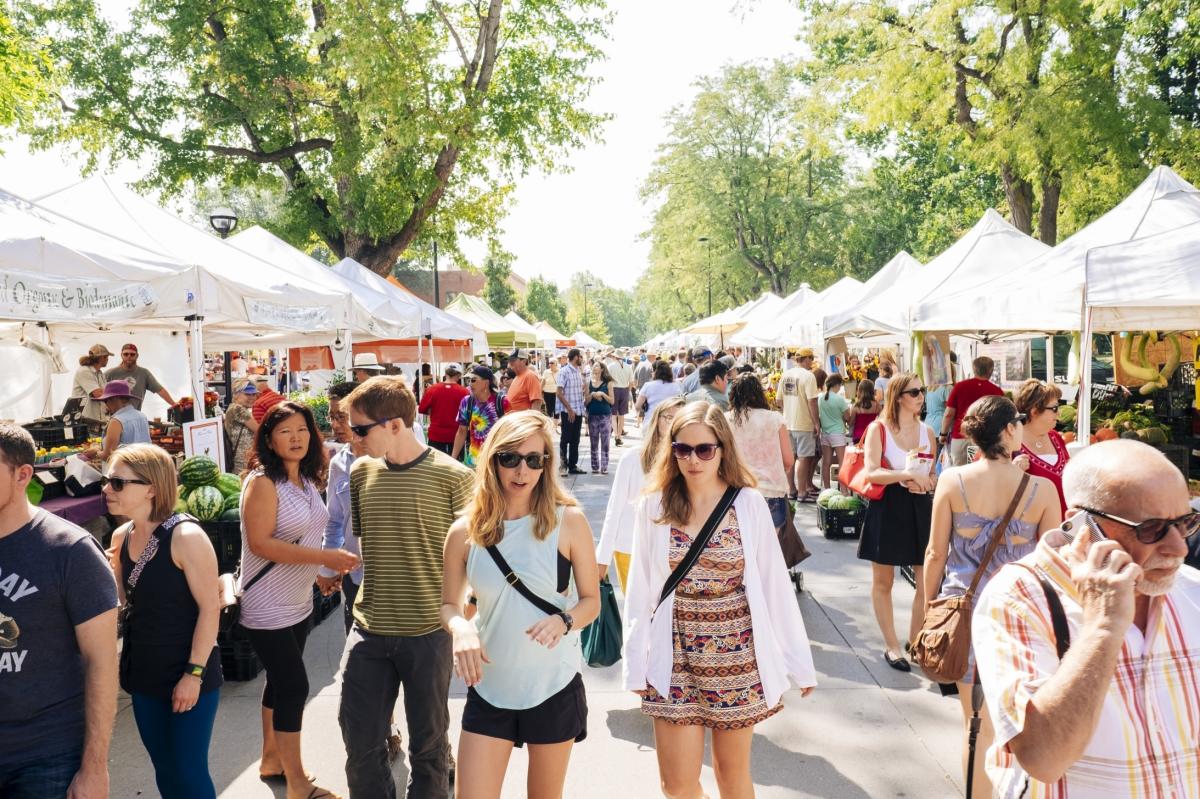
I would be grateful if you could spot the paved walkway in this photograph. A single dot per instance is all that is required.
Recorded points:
(866, 732)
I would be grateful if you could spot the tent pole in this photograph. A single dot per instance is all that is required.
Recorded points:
(195, 341)
(1083, 416)
(348, 362)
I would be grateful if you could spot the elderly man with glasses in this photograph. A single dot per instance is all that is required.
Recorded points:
(1089, 648)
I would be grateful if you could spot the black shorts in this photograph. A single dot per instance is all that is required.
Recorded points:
(562, 717)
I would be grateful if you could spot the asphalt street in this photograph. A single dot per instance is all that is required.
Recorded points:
(866, 732)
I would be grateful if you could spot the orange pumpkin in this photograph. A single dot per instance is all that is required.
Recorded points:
(1106, 434)
(1069, 437)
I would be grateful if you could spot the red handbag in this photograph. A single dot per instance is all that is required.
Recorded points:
(850, 475)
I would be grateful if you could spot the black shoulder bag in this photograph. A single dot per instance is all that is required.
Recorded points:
(701, 541)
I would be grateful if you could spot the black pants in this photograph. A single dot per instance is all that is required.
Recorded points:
(282, 655)
(349, 593)
(447, 447)
(568, 443)
(551, 401)
(373, 669)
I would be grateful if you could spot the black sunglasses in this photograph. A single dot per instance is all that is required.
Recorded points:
(914, 392)
(1020, 417)
(705, 452)
(511, 460)
(118, 483)
(1051, 408)
(1151, 531)
(361, 430)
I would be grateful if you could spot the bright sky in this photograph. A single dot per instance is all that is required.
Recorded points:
(590, 218)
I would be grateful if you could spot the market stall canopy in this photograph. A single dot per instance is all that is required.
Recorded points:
(501, 333)
(550, 338)
(582, 339)
(371, 315)
(764, 329)
(522, 326)
(236, 291)
(1152, 283)
(1046, 293)
(855, 319)
(56, 271)
(802, 325)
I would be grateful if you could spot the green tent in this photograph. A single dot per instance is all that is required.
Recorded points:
(501, 333)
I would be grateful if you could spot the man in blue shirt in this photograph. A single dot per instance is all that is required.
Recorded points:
(700, 356)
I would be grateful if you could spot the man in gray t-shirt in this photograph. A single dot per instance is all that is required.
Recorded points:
(139, 378)
(58, 643)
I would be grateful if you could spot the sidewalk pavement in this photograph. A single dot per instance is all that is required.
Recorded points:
(866, 732)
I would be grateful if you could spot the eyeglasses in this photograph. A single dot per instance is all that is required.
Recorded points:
(914, 392)
(118, 483)
(1051, 408)
(705, 452)
(340, 418)
(361, 430)
(511, 460)
(1020, 417)
(1151, 531)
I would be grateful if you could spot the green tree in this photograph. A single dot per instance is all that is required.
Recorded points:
(497, 271)
(544, 303)
(366, 117)
(23, 76)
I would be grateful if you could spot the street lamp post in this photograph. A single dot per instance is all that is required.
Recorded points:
(705, 240)
(223, 220)
(586, 286)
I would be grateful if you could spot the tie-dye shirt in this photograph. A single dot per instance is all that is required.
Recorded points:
(478, 418)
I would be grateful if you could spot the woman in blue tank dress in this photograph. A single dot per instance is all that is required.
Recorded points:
(520, 663)
(970, 501)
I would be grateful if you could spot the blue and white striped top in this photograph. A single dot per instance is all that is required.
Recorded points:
(284, 596)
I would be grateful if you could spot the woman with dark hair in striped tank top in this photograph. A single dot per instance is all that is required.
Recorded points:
(283, 520)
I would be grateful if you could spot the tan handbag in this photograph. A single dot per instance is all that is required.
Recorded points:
(943, 646)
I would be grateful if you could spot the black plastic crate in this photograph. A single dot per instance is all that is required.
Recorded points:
(239, 662)
(54, 433)
(240, 669)
(226, 539)
(841, 523)
(1174, 403)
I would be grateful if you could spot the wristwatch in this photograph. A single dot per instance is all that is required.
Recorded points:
(195, 671)
(567, 620)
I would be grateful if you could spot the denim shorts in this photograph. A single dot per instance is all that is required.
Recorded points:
(48, 777)
(780, 508)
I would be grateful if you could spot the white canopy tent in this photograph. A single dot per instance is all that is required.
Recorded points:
(802, 325)
(522, 326)
(764, 329)
(1046, 293)
(855, 318)
(548, 337)
(582, 339)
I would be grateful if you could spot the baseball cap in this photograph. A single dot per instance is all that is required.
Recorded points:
(701, 352)
(519, 353)
(453, 368)
(485, 373)
(132, 347)
(805, 352)
(249, 388)
(99, 351)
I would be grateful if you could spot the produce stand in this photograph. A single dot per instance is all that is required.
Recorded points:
(77, 510)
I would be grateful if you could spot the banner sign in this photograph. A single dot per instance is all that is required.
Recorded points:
(292, 317)
(42, 298)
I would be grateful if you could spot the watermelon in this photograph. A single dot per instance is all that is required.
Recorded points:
(231, 502)
(183, 492)
(230, 515)
(229, 484)
(205, 503)
(827, 496)
(181, 506)
(199, 470)
(841, 502)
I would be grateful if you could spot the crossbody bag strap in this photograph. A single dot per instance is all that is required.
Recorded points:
(512, 579)
(997, 536)
(149, 551)
(698, 544)
(1058, 616)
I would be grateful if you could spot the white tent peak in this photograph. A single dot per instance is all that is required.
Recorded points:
(857, 318)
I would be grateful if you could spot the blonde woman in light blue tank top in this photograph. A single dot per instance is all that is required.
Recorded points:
(520, 663)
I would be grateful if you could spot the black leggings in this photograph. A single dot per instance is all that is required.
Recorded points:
(282, 655)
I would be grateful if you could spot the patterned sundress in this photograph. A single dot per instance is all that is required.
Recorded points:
(714, 675)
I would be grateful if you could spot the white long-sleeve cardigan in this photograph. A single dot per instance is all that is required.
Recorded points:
(619, 516)
(781, 645)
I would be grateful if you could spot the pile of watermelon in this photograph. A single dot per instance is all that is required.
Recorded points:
(833, 499)
(208, 493)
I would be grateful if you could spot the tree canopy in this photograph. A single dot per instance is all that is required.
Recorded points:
(544, 303)
(366, 117)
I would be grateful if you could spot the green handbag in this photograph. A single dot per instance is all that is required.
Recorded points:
(601, 640)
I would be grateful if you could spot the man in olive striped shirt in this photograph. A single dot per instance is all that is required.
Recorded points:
(403, 498)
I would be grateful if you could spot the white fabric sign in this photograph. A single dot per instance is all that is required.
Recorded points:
(42, 298)
(293, 317)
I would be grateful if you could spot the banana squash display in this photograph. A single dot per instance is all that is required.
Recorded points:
(1131, 354)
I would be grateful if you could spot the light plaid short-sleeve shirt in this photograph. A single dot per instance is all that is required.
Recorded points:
(1147, 743)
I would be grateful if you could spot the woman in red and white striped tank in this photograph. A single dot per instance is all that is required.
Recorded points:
(283, 520)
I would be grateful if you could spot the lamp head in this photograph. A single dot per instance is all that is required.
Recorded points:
(223, 220)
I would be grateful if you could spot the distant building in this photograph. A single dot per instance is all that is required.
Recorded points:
(451, 283)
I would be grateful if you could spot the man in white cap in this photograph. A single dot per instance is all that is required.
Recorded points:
(366, 366)
(440, 403)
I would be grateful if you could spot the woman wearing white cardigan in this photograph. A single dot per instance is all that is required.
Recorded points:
(616, 539)
(719, 651)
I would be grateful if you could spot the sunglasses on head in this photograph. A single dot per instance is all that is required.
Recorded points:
(118, 483)
(705, 452)
(361, 430)
(511, 460)
(914, 392)
(1020, 417)
(1151, 531)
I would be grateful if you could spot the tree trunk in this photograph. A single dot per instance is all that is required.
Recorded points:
(1048, 213)
(1019, 193)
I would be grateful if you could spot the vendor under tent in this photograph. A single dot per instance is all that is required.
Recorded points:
(1149, 284)
(550, 338)
(1045, 293)
(854, 320)
(502, 335)
(763, 331)
(582, 339)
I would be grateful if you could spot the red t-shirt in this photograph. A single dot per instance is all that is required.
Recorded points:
(524, 390)
(440, 402)
(267, 399)
(966, 392)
